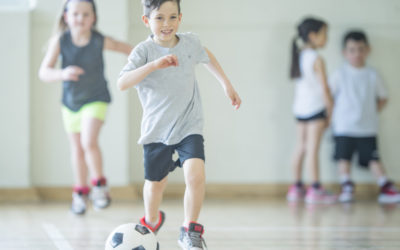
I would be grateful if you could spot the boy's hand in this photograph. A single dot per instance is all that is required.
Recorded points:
(166, 61)
(233, 95)
(72, 73)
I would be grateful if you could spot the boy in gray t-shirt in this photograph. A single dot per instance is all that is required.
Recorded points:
(162, 69)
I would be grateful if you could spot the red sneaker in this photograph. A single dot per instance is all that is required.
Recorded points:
(158, 226)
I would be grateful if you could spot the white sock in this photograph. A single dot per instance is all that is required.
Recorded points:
(382, 181)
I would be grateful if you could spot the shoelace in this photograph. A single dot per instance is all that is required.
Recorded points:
(197, 240)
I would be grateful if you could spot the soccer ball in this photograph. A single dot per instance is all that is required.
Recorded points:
(132, 236)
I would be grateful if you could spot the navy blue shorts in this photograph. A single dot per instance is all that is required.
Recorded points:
(366, 147)
(319, 115)
(158, 160)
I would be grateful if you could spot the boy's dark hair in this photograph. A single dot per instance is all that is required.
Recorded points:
(355, 35)
(150, 5)
(307, 26)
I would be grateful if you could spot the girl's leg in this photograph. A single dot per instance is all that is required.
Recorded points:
(300, 149)
(195, 179)
(152, 196)
(377, 169)
(315, 131)
(89, 138)
(78, 160)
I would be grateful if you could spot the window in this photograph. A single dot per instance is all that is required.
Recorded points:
(17, 4)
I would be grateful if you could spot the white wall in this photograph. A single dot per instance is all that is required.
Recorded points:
(251, 39)
(14, 98)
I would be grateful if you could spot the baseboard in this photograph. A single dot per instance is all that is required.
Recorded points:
(213, 191)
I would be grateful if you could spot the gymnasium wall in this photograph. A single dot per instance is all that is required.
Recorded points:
(251, 41)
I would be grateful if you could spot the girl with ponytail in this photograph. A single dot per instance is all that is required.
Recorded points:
(312, 108)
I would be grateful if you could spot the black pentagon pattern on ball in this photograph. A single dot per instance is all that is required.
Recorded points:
(117, 239)
(142, 229)
(158, 246)
(139, 248)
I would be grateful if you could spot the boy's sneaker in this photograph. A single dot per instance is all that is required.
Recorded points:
(347, 193)
(100, 194)
(389, 194)
(319, 196)
(161, 219)
(79, 201)
(296, 193)
(191, 238)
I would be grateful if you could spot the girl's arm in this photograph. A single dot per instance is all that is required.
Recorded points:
(319, 68)
(134, 77)
(48, 72)
(117, 46)
(215, 68)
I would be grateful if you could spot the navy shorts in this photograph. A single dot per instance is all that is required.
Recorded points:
(319, 115)
(158, 160)
(366, 148)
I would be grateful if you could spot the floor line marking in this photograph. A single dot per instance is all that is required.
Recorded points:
(56, 237)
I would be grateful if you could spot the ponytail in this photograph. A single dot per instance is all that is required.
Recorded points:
(307, 26)
(295, 66)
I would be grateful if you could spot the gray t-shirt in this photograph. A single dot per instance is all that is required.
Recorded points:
(92, 85)
(170, 97)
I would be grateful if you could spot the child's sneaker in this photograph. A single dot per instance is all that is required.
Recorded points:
(319, 196)
(157, 227)
(296, 193)
(100, 195)
(347, 193)
(79, 201)
(389, 194)
(191, 238)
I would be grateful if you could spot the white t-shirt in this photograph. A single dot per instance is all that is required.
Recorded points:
(308, 99)
(170, 97)
(356, 92)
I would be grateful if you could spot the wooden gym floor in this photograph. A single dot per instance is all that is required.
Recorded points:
(243, 224)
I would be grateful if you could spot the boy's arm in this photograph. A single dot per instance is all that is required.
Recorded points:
(319, 68)
(215, 68)
(48, 72)
(134, 77)
(382, 104)
(117, 46)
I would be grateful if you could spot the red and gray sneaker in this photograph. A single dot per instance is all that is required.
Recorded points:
(161, 219)
(192, 238)
(100, 195)
(79, 200)
(389, 194)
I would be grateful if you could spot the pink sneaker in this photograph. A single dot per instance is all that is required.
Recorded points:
(319, 196)
(295, 193)
(389, 194)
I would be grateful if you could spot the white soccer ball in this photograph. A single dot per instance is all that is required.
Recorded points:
(132, 236)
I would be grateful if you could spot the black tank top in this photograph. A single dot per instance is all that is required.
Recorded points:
(92, 85)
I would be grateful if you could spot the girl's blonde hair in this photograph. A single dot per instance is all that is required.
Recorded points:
(62, 26)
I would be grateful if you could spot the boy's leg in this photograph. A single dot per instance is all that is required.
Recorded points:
(194, 172)
(347, 192)
(152, 197)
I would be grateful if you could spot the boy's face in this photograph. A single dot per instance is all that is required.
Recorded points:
(164, 23)
(356, 53)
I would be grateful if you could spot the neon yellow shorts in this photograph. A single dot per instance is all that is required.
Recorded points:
(72, 120)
